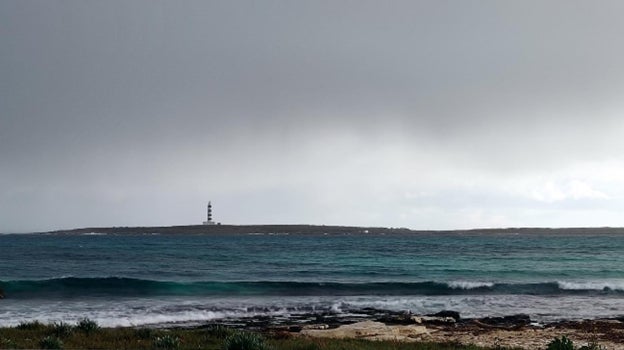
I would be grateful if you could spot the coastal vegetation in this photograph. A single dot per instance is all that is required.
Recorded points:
(87, 334)
(87, 326)
(564, 343)
(51, 342)
(245, 341)
(36, 335)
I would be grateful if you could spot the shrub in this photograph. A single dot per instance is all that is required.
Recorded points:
(51, 343)
(31, 326)
(219, 331)
(561, 344)
(87, 326)
(62, 329)
(244, 341)
(144, 333)
(167, 342)
(6, 343)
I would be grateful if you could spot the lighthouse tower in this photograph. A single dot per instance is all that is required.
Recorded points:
(209, 215)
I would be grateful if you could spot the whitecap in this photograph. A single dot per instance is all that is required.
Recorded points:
(592, 285)
(469, 284)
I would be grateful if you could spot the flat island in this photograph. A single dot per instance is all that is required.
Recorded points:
(320, 230)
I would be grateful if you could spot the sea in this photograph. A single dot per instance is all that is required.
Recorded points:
(138, 280)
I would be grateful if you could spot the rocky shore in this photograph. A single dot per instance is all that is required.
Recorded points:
(515, 331)
(608, 333)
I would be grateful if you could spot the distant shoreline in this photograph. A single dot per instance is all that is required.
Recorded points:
(320, 230)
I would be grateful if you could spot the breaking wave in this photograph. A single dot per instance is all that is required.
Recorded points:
(120, 286)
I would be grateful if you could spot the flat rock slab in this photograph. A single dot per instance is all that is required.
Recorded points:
(607, 333)
(370, 330)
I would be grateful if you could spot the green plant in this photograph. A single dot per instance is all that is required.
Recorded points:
(62, 329)
(6, 343)
(244, 341)
(562, 343)
(167, 342)
(144, 333)
(51, 342)
(30, 326)
(219, 331)
(87, 326)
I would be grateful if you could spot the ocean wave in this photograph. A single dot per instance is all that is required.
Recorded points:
(469, 284)
(131, 287)
(606, 285)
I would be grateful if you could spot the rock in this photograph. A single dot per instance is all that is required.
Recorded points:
(447, 313)
(436, 320)
(620, 318)
(397, 318)
(316, 326)
(513, 321)
(295, 329)
(442, 317)
(610, 321)
(370, 330)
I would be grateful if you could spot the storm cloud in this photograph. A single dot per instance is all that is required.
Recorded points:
(420, 114)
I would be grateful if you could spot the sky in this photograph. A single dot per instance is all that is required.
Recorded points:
(421, 114)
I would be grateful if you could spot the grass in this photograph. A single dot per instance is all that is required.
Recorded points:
(33, 325)
(245, 341)
(562, 343)
(87, 326)
(63, 336)
(51, 342)
(167, 342)
(62, 329)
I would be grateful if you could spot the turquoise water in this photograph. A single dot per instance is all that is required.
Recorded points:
(125, 280)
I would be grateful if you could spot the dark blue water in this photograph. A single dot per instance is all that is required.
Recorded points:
(124, 280)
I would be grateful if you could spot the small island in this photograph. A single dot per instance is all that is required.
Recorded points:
(322, 230)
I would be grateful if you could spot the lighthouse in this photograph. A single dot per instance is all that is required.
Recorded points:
(209, 215)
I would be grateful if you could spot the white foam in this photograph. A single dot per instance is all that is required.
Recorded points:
(592, 285)
(469, 284)
(337, 307)
(158, 318)
(136, 312)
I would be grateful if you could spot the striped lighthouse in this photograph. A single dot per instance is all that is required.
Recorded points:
(209, 215)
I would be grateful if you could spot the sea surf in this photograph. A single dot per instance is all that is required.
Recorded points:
(126, 280)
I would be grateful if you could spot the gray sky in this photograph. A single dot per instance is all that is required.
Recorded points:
(421, 114)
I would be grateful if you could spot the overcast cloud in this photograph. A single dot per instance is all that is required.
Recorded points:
(420, 114)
